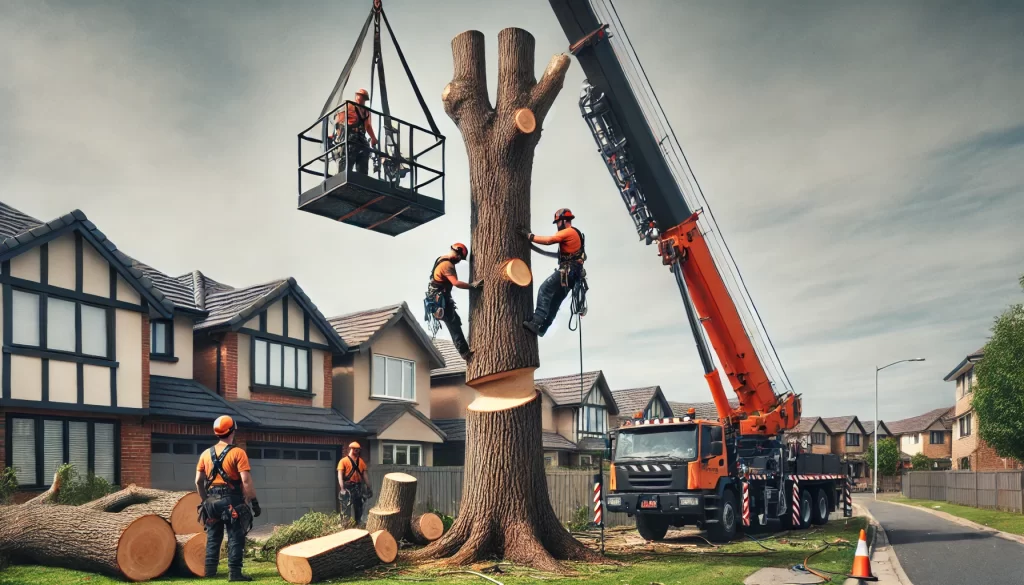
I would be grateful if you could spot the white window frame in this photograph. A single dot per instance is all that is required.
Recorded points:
(394, 448)
(385, 359)
(44, 477)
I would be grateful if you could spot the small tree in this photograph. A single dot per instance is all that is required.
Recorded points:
(888, 456)
(999, 397)
(920, 462)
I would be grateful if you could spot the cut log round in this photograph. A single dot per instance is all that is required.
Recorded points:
(517, 272)
(525, 121)
(397, 493)
(137, 548)
(425, 528)
(327, 557)
(180, 509)
(190, 555)
(394, 522)
(387, 547)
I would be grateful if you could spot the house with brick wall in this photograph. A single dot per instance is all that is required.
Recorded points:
(930, 433)
(650, 401)
(812, 434)
(849, 440)
(572, 429)
(969, 451)
(383, 381)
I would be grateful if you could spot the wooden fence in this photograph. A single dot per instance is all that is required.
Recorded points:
(1001, 490)
(440, 488)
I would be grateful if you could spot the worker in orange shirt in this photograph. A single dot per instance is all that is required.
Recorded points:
(357, 118)
(442, 279)
(354, 481)
(229, 499)
(556, 287)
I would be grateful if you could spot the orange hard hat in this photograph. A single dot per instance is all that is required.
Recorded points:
(223, 426)
(563, 213)
(460, 249)
(354, 445)
(362, 91)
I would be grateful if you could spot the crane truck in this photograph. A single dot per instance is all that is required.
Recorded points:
(715, 474)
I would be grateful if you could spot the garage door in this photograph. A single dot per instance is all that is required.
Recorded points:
(290, 481)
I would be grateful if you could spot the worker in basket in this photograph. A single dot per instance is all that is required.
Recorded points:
(356, 151)
(354, 481)
(439, 294)
(229, 499)
(566, 277)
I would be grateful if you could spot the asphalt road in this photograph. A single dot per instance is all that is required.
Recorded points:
(935, 551)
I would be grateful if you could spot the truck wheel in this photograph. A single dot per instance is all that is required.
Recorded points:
(652, 526)
(820, 507)
(728, 519)
(806, 512)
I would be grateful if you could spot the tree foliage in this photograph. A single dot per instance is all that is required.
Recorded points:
(921, 462)
(999, 397)
(8, 485)
(888, 456)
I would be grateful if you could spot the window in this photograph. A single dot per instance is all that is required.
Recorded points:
(549, 461)
(49, 323)
(965, 425)
(917, 438)
(393, 378)
(161, 338)
(969, 382)
(586, 460)
(396, 454)
(852, 439)
(280, 366)
(965, 463)
(39, 445)
(817, 438)
(655, 411)
(592, 420)
(937, 437)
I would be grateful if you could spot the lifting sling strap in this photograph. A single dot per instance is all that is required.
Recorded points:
(217, 467)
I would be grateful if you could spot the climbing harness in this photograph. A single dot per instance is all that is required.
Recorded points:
(434, 302)
(570, 268)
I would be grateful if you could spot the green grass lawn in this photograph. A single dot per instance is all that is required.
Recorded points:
(697, 565)
(1011, 522)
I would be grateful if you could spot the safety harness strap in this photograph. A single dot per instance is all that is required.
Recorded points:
(217, 467)
(352, 471)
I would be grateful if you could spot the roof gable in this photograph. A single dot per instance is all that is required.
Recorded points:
(634, 400)
(21, 232)
(387, 414)
(566, 390)
(965, 365)
(917, 424)
(361, 329)
(842, 424)
(453, 363)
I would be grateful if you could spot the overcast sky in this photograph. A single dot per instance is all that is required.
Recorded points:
(863, 160)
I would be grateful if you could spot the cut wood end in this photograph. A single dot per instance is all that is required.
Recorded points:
(400, 477)
(525, 120)
(517, 272)
(444, 93)
(184, 519)
(498, 403)
(146, 548)
(475, 383)
(515, 389)
(194, 552)
(386, 546)
(431, 526)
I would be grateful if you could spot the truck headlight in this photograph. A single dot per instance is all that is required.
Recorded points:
(614, 500)
(688, 501)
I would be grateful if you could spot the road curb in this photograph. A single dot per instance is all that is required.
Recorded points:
(880, 544)
(962, 521)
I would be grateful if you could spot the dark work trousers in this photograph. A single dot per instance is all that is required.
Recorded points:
(215, 533)
(358, 154)
(355, 493)
(549, 299)
(454, 323)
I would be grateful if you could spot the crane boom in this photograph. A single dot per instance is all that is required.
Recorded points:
(659, 209)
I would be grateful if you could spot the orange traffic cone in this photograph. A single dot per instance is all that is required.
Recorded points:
(861, 560)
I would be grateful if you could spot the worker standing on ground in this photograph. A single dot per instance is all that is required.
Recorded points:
(354, 480)
(357, 117)
(442, 278)
(571, 256)
(224, 484)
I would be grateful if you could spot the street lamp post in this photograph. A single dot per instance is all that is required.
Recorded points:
(874, 473)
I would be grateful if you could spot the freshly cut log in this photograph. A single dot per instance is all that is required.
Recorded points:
(386, 545)
(327, 557)
(190, 555)
(137, 548)
(425, 528)
(180, 509)
(393, 522)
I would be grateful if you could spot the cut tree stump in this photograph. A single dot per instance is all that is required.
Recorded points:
(327, 557)
(394, 506)
(425, 528)
(386, 545)
(180, 509)
(190, 555)
(137, 548)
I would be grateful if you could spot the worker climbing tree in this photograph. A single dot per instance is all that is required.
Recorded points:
(505, 510)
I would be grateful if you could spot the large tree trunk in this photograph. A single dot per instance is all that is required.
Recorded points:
(394, 506)
(505, 510)
(190, 555)
(137, 548)
(120, 500)
(179, 509)
(327, 557)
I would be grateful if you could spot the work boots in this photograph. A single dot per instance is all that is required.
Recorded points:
(238, 577)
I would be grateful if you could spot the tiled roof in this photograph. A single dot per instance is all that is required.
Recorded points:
(289, 417)
(565, 390)
(188, 399)
(591, 444)
(361, 328)
(225, 305)
(556, 442)
(454, 428)
(839, 424)
(633, 400)
(966, 364)
(454, 364)
(387, 413)
(18, 229)
(705, 410)
(869, 427)
(917, 424)
(174, 289)
(806, 424)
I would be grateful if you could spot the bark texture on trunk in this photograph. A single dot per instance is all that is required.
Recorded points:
(129, 496)
(390, 520)
(190, 555)
(505, 510)
(137, 548)
(327, 557)
(394, 506)
(179, 509)
(425, 528)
